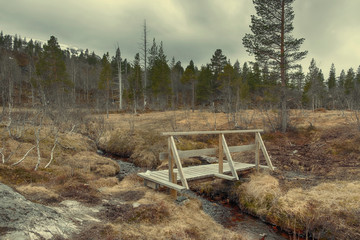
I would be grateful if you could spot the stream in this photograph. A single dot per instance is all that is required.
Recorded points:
(228, 215)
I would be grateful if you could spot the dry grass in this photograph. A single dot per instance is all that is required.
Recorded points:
(329, 209)
(38, 193)
(142, 147)
(259, 194)
(157, 216)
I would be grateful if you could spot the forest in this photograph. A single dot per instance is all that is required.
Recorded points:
(38, 74)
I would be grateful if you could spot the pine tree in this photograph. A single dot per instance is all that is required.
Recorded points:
(218, 62)
(106, 80)
(314, 89)
(332, 78)
(135, 83)
(349, 81)
(189, 78)
(227, 80)
(159, 74)
(272, 42)
(52, 70)
(176, 74)
(204, 89)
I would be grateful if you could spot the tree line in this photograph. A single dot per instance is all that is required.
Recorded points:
(34, 73)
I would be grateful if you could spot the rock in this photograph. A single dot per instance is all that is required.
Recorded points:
(23, 219)
(136, 204)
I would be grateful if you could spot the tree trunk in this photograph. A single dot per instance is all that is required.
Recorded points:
(282, 70)
(193, 97)
(120, 83)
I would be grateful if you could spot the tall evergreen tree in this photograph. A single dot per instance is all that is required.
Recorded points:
(272, 42)
(349, 81)
(106, 80)
(332, 78)
(314, 87)
(52, 70)
(135, 83)
(204, 89)
(218, 62)
(159, 74)
(189, 78)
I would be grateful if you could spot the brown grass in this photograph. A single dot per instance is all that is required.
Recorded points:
(329, 209)
(157, 216)
(38, 193)
(142, 147)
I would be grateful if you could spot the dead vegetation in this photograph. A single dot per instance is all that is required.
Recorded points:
(324, 211)
(313, 191)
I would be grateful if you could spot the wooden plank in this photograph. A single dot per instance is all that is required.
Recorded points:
(221, 157)
(228, 157)
(210, 132)
(161, 182)
(178, 162)
(197, 152)
(202, 176)
(159, 177)
(242, 148)
(206, 151)
(265, 153)
(223, 176)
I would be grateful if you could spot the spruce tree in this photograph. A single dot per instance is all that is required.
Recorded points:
(51, 69)
(332, 78)
(106, 80)
(189, 78)
(271, 42)
(135, 84)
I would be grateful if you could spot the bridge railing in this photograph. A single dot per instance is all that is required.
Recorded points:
(174, 155)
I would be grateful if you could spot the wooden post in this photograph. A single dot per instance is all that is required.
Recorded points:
(228, 157)
(178, 162)
(171, 160)
(265, 153)
(257, 152)
(173, 192)
(221, 155)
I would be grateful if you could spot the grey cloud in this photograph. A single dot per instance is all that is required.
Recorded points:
(189, 29)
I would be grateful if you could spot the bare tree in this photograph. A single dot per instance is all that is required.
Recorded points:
(118, 61)
(144, 49)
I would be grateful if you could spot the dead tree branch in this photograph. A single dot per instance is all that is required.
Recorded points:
(53, 148)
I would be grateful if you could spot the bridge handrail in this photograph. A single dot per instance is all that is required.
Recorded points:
(211, 132)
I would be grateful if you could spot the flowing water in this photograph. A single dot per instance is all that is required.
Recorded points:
(228, 215)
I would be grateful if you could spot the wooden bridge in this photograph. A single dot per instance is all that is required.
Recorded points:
(171, 177)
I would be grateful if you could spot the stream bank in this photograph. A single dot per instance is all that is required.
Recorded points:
(223, 212)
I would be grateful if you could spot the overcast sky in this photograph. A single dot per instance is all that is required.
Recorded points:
(189, 29)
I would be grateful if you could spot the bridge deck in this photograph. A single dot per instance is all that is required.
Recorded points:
(194, 173)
